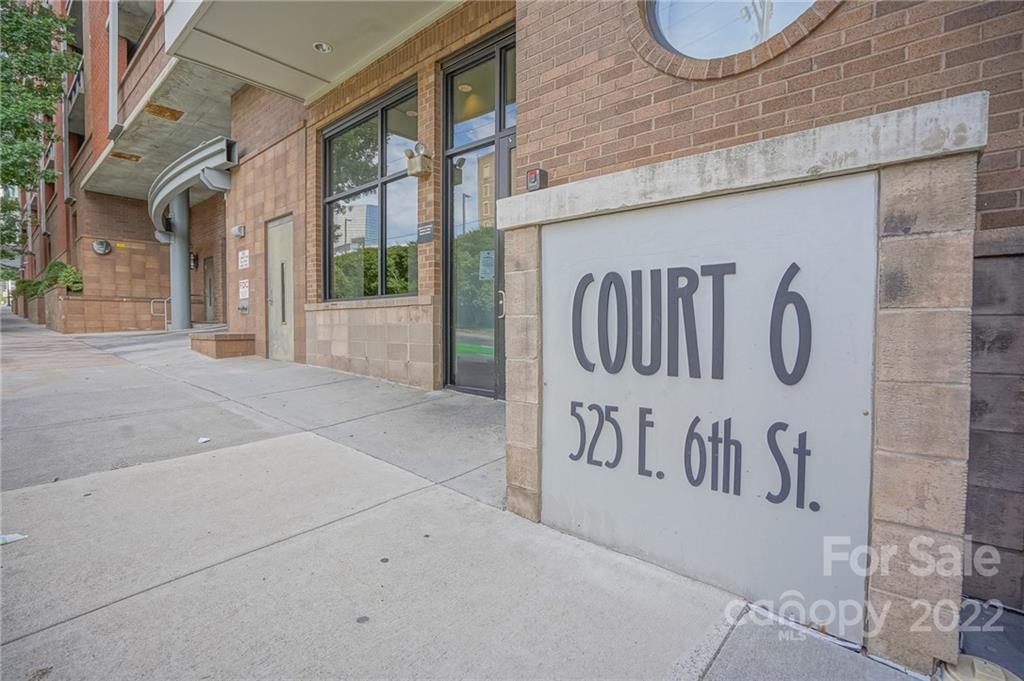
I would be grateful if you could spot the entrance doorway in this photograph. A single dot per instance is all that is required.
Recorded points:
(280, 334)
(209, 310)
(480, 141)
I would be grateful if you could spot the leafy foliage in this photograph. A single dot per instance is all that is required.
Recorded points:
(474, 296)
(56, 272)
(11, 234)
(355, 154)
(71, 279)
(32, 67)
(356, 275)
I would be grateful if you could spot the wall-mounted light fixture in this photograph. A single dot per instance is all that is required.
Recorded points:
(193, 261)
(418, 162)
(238, 231)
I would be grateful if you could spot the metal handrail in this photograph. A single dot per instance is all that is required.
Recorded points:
(163, 312)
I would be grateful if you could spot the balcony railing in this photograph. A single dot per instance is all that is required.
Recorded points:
(49, 156)
(76, 87)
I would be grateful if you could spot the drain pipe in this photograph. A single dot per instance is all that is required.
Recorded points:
(181, 288)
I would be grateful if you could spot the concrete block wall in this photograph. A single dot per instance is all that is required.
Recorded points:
(922, 398)
(391, 339)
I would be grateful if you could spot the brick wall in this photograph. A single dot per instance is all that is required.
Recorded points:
(266, 184)
(590, 104)
(260, 119)
(133, 269)
(96, 51)
(206, 237)
(148, 62)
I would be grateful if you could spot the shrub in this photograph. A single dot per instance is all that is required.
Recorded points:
(70, 278)
(51, 273)
(57, 272)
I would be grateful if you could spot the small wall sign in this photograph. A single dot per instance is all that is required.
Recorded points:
(243, 259)
(425, 232)
(243, 289)
(486, 265)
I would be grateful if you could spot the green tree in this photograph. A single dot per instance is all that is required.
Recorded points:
(11, 222)
(474, 294)
(32, 68)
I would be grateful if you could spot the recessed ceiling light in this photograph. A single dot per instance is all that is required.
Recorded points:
(412, 113)
(465, 87)
(322, 48)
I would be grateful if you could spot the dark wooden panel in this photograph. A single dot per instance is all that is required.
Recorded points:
(999, 285)
(998, 344)
(996, 517)
(997, 402)
(1004, 241)
(995, 470)
(1005, 586)
(997, 460)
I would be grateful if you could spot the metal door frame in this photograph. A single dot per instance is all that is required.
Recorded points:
(504, 140)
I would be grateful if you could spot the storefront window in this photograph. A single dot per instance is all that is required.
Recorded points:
(371, 209)
(708, 30)
(473, 105)
(509, 80)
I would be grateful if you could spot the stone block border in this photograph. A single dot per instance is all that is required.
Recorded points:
(926, 159)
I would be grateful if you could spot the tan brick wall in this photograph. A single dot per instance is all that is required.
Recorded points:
(589, 104)
(392, 338)
(133, 269)
(418, 58)
(268, 183)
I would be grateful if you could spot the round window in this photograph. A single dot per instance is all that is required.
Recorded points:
(720, 28)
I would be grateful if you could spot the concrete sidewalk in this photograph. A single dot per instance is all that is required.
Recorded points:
(333, 527)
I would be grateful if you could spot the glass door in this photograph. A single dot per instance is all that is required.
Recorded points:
(479, 155)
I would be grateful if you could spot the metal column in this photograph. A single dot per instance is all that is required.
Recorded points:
(181, 294)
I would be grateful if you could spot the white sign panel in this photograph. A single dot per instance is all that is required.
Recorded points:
(243, 259)
(243, 289)
(707, 388)
(486, 265)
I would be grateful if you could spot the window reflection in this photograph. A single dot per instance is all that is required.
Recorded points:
(355, 156)
(473, 266)
(400, 133)
(473, 104)
(510, 87)
(355, 231)
(400, 253)
(707, 30)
